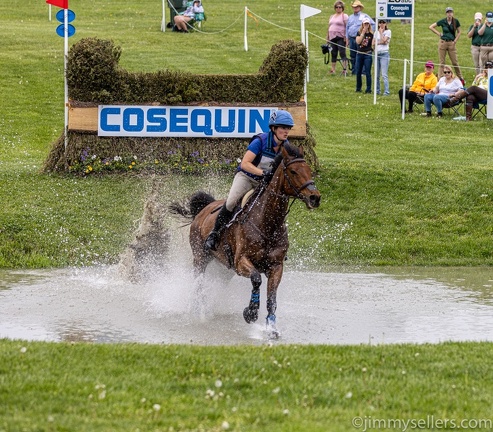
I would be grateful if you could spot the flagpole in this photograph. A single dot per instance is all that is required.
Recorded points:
(245, 30)
(65, 58)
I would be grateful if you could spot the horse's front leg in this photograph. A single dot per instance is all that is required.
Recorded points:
(198, 301)
(274, 279)
(245, 268)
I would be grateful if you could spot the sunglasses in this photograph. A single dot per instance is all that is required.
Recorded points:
(338, 7)
(447, 72)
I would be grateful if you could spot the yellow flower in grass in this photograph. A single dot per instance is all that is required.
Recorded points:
(130, 166)
(133, 163)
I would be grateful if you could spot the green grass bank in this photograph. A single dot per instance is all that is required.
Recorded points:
(395, 192)
(67, 387)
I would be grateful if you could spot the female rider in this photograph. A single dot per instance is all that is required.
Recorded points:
(253, 168)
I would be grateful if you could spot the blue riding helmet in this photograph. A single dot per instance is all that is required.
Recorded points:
(281, 118)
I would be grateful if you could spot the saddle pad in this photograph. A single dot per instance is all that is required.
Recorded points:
(245, 197)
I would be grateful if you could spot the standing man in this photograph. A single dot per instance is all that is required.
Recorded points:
(353, 25)
(448, 39)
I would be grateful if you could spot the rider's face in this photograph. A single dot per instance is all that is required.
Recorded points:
(282, 132)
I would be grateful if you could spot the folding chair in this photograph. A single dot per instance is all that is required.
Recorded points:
(420, 100)
(479, 108)
(456, 107)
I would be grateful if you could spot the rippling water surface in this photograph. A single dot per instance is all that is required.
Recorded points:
(337, 307)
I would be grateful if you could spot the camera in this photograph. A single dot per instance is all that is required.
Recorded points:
(326, 48)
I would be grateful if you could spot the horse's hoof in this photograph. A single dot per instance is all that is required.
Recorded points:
(250, 315)
(271, 328)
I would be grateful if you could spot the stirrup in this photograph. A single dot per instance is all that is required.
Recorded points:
(211, 241)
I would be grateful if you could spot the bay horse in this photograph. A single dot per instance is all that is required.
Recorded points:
(256, 240)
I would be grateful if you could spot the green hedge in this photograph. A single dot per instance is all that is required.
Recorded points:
(94, 77)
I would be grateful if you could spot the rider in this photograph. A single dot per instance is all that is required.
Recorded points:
(253, 168)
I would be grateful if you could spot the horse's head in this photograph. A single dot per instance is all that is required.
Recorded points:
(297, 174)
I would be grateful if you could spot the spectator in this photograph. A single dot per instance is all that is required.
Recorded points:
(475, 37)
(486, 33)
(364, 58)
(353, 25)
(181, 21)
(448, 39)
(382, 39)
(424, 83)
(476, 93)
(336, 36)
(446, 87)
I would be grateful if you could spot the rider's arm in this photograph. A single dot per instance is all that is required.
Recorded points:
(248, 166)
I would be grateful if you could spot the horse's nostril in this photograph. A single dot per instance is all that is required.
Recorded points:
(315, 200)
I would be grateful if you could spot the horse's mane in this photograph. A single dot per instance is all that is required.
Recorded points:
(292, 150)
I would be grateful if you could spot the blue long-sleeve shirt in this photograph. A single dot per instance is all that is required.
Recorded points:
(354, 23)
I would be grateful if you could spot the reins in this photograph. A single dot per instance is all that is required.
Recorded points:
(297, 191)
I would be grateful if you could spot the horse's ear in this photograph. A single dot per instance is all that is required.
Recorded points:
(302, 151)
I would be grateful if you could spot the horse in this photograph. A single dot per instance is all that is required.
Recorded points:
(256, 239)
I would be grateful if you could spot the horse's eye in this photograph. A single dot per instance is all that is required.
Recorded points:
(293, 172)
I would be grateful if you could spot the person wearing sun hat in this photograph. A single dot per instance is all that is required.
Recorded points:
(475, 37)
(352, 27)
(448, 39)
(424, 83)
(364, 56)
(486, 33)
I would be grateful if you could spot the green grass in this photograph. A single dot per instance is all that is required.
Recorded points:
(280, 388)
(413, 192)
(395, 192)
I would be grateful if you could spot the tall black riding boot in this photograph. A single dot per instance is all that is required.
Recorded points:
(223, 218)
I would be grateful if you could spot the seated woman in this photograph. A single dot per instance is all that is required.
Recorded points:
(447, 86)
(181, 21)
(476, 93)
(424, 83)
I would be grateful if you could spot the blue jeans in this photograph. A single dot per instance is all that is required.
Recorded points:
(436, 99)
(353, 47)
(363, 61)
(383, 60)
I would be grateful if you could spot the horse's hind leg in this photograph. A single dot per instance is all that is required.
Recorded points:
(250, 313)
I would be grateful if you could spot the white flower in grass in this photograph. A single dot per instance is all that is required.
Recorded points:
(156, 407)
(349, 395)
(218, 384)
(276, 390)
(225, 425)
(23, 350)
(285, 412)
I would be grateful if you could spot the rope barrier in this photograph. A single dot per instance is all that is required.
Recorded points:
(254, 15)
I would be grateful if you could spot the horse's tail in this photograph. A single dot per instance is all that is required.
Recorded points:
(196, 203)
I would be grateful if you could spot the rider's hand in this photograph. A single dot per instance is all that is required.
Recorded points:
(267, 176)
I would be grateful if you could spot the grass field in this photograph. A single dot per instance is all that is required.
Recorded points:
(414, 192)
